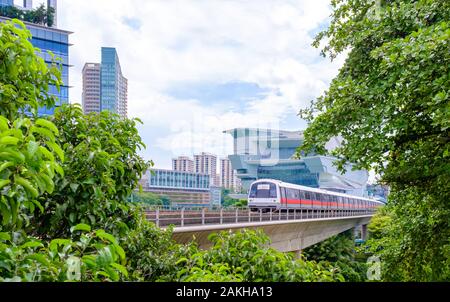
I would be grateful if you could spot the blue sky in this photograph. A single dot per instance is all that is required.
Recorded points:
(199, 67)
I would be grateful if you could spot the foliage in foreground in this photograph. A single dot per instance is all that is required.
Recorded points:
(390, 105)
(245, 256)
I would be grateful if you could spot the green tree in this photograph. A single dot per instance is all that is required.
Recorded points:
(390, 105)
(24, 77)
(151, 199)
(339, 251)
(30, 160)
(102, 169)
(27, 146)
(245, 256)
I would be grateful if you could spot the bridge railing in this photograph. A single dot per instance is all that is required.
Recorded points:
(188, 217)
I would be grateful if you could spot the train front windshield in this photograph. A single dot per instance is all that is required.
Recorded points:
(263, 190)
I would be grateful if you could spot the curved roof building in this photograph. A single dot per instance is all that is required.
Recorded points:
(270, 154)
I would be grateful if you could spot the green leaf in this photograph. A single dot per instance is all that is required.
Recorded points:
(120, 268)
(47, 124)
(74, 187)
(5, 236)
(57, 149)
(39, 258)
(81, 227)
(47, 154)
(26, 185)
(31, 244)
(32, 147)
(105, 236)
(54, 244)
(119, 250)
(3, 124)
(8, 140)
(4, 183)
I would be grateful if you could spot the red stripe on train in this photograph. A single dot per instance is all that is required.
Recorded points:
(319, 203)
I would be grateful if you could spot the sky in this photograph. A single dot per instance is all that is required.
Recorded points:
(199, 67)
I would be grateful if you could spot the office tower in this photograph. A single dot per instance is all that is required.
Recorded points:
(54, 4)
(206, 163)
(6, 3)
(114, 86)
(91, 87)
(183, 164)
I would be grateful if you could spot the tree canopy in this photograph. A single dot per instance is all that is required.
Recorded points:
(390, 105)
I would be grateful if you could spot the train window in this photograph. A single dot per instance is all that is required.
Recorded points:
(307, 195)
(301, 194)
(292, 194)
(263, 190)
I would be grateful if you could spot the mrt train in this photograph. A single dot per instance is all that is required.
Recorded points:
(274, 195)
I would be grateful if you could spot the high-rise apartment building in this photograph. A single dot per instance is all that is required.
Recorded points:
(91, 88)
(206, 163)
(183, 164)
(114, 86)
(227, 174)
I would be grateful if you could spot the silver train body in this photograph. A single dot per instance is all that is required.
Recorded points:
(268, 194)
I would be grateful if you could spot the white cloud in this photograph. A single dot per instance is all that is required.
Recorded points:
(264, 42)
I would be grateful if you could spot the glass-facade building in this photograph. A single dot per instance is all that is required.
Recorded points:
(178, 180)
(184, 189)
(6, 2)
(56, 41)
(270, 154)
(114, 86)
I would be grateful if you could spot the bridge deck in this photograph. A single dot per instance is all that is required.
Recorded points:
(185, 218)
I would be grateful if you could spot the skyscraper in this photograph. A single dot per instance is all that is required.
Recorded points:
(91, 88)
(183, 164)
(114, 86)
(206, 163)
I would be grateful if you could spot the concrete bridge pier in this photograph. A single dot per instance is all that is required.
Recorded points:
(364, 232)
(361, 232)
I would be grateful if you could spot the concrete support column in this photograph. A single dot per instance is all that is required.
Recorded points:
(364, 232)
(298, 254)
